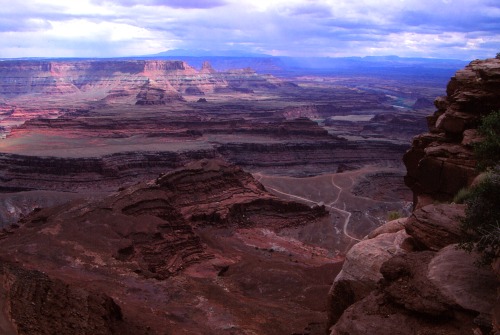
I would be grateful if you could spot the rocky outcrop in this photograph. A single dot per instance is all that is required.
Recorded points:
(412, 300)
(435, 226)
(190, 252)
(105, 173)
(34, 303)
(433, 287)
(327, 155)
(441, 162)
(361, 270)
(284, 146)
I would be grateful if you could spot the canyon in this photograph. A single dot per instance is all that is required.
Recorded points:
(91, 126)
(152, 197)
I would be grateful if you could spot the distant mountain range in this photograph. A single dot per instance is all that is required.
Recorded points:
(285, 66)
(293, 66)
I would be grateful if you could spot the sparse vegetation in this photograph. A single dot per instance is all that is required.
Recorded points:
(498, 55)
(481, 225)
(462, 195)
(393, 215)
(488, 150)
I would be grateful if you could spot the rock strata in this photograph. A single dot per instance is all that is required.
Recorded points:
(441, 162)
(433, 287)
(156, 81)
(203, 249)
(435, 226)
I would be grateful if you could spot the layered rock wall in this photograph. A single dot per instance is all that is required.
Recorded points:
(199, 250)
(441, 162)
(430, 286)
(124, 76)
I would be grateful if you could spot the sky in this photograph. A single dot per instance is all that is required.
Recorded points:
(458, 29)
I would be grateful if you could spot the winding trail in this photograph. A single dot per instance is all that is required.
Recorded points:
(329, 206)
(348, 218)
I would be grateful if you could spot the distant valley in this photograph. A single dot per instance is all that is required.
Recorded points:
(196, 176)
(92, 126)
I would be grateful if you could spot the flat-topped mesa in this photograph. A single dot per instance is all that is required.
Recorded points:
(441, 162)
(103, 78)
(159, 65)
(66, 77)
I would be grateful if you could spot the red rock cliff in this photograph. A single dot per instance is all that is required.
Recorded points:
(408, 277)
(441, 162)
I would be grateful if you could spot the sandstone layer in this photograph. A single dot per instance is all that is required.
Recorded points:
(441, 162)
(125, 77)
(203, 249)
(429, 288)
(432, 287)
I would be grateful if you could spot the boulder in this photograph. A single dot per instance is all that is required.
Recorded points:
(390, 227)
(457, 277)
(435, 226)
(361, 270)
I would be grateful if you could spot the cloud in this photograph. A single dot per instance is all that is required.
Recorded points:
(429, 28)
(23, 24)
(167, 3)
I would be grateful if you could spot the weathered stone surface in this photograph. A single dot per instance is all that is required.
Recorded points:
(456, 276)
(406, 284)
(390, 227)
(421, 295)
(361, 270)
(375, 315)
(200, 250)
(166, 80)
(435, 289)
(471, 136)
(440, 164)
(435, 226)
(38, 305)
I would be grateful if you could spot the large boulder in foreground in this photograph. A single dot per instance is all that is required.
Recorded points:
(435, 226)
(425, 293)
(361, 270)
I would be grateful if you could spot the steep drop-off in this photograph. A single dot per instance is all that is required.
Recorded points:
(441, 162)
(408, 276)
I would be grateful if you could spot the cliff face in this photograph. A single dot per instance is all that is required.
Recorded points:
(154, 81)
(441, 162)
(408, 277)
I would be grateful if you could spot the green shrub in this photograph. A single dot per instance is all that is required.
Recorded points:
(481, 226)
(461, 195)
(488, 151)
(393, 215)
